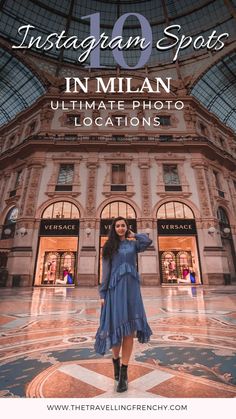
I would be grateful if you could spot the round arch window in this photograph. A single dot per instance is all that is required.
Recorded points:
(174, 210)
(118, 209)
(62, 209)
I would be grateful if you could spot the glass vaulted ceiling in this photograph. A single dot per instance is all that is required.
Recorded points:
(216, 90)
(19, 88)
(197, 17)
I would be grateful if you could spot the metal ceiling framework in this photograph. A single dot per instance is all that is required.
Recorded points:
(55, 16)
(20, 87)
(216, 90)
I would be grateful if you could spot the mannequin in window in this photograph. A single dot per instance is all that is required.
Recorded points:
(65, 277)
(172, 267)
(48, 270)
(52, 272)
(166, 269)
(185, 271)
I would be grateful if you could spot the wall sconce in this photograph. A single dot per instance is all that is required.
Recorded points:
(211, 230)
(22, 232)
(88, 231)
(7, 231)
(225, 233)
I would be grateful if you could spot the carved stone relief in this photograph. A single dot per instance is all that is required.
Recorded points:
(33, 190)
(203, 190)
(145, 188)
(91, 189)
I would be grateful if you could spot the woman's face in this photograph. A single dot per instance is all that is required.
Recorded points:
(121, 228)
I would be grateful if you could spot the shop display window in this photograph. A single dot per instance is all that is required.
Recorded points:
(56, 261)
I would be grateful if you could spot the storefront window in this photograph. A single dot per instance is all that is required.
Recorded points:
(58, 245)
(177, 243)
(59, 267)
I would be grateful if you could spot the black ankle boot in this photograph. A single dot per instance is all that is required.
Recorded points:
(116, 365)
(123, 379)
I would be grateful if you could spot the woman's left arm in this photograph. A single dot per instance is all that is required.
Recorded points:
(106, 271)
(142, 242)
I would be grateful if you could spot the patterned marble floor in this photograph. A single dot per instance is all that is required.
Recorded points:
(47, 337)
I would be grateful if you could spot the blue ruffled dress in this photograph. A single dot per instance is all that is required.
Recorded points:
(123, 312)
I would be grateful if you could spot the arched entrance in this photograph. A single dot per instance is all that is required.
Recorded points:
(58, 245)
(227, 242)
(177, 243)
(109, 212)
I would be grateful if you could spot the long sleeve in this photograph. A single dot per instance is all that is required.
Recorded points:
(142, 242)
(106, 270)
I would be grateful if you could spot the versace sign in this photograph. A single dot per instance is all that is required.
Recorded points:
(59, 227)
(176, 227)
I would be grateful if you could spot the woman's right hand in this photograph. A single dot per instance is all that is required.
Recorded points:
(102, 301)
(131, 234)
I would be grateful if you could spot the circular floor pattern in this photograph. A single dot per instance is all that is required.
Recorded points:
(89, 379)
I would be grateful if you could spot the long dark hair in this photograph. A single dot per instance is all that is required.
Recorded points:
(112, 244)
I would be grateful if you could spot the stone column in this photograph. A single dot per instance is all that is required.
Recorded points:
(88, 255)
(212, 257)
(22, 255)
(148, 261)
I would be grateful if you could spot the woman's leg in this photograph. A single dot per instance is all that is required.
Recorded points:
(127, 347)
(116, 351)
(116, 361)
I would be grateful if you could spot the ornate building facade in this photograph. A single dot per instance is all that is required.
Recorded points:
(63, 178)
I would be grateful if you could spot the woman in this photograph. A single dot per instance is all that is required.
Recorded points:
(122, 313)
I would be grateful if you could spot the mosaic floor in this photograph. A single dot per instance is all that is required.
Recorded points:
(47, 338)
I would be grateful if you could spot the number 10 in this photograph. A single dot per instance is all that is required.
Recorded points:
(117, 32)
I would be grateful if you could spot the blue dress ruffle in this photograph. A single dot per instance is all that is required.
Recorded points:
(123, 312)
